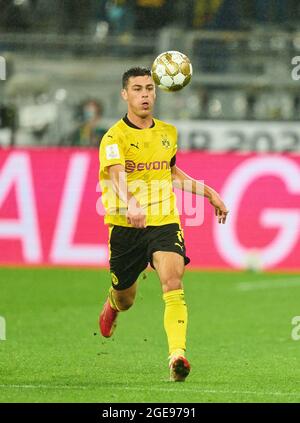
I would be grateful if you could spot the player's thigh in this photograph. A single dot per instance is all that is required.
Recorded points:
(170, 269)
(127, 259)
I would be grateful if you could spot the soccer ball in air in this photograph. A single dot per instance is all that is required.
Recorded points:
(171, 71)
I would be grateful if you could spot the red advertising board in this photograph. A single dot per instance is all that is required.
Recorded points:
(51, 213)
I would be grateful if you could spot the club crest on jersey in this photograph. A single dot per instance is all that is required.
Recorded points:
(165, 142)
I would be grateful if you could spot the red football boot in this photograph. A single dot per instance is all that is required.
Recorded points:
(179, 368)
(108, 320)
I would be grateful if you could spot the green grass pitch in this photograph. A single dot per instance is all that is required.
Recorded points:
(239, 339)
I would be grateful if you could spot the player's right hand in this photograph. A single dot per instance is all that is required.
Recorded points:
(220, 208)
(135, 214)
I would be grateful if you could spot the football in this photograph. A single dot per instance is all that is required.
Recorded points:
(171, 71)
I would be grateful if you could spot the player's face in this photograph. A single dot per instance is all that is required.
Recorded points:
(140, 95)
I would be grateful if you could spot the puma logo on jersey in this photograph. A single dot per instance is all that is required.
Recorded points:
(136, 145)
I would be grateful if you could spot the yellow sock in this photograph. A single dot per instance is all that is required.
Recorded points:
(111, 299)
(175, 320)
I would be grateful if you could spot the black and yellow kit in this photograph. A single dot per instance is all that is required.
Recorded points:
(147, 156)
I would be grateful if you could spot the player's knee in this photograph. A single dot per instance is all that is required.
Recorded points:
(171, 284)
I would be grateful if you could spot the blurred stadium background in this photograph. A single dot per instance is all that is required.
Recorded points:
(238, 121)
(61, 54)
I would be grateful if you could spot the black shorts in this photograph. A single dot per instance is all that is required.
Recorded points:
(131, 250)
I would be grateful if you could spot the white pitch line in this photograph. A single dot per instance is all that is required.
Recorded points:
(159, 389)
(14, 386)
(268, 283)
(214, 391)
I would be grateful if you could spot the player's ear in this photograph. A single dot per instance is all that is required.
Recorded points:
(124, 94)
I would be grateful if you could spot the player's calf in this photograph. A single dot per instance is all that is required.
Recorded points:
(117, 301)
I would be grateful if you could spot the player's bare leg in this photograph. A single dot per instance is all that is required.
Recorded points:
(170, 269)
(116, 301)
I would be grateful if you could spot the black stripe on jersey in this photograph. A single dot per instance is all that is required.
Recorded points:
(173, 161)
(132, 125)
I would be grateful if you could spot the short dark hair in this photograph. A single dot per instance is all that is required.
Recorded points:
(137, 71)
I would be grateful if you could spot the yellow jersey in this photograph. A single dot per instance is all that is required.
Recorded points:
(146, 155)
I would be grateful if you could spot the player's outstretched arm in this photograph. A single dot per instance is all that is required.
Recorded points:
(135, 214)
(184, 182)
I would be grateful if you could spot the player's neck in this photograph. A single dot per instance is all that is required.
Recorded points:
(142, 123)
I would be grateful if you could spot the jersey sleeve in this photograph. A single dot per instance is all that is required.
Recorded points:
(111, 150)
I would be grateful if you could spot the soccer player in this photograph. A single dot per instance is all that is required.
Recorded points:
(137, 173)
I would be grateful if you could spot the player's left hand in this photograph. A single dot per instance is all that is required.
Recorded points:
(220, 208)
